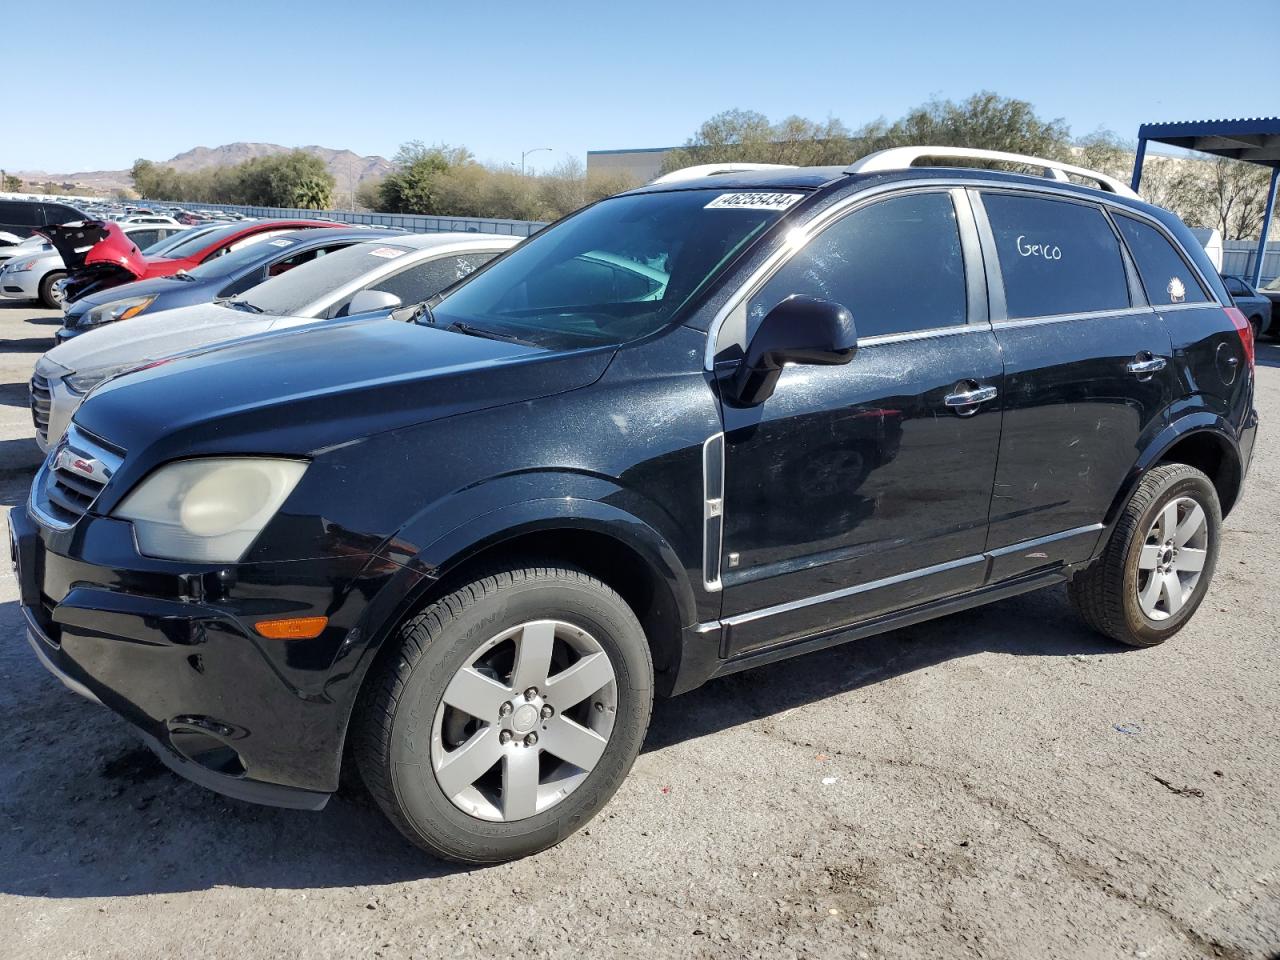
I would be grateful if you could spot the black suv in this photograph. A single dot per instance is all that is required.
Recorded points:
(23, 217)
(724, 419)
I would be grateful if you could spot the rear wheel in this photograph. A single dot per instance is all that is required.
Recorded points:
(1256, 323)
(509, 714)
(50, 297)
(1157, 566)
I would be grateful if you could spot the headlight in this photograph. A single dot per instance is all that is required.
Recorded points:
(81, 383)
(22, 266)
(208, 510)
(116, 310)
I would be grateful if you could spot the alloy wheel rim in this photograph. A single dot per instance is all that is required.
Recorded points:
(524, 721)
(1172, 558)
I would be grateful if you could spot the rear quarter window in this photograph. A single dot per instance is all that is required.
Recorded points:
(1057, 257)
(1165, 273)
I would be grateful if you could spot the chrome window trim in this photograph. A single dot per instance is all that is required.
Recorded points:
(883, 338)
(1068, 317)
(860, 198)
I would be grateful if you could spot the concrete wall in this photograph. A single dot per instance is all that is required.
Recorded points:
(640, 165)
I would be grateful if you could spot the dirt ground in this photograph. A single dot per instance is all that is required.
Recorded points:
(999, 783)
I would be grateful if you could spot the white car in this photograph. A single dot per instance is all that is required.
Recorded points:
(33, 268)
(155, 219)
(372, 277)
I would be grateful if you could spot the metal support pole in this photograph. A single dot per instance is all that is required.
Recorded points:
(1137, 164)
(1266, 226)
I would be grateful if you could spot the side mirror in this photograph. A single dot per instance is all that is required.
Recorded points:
(367, 300)
(798, 330)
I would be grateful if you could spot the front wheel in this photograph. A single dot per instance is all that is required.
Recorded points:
(49, 296)
(509, 713)
(1157, 566)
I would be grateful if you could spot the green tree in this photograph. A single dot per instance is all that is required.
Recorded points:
(745, 136)
(985, 120)
(414, 186)
(312, 193)
(12, 184)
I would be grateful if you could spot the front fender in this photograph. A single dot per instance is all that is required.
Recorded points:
(487, 514)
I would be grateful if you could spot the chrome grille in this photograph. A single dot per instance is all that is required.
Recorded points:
(41, 401)
(72, 478)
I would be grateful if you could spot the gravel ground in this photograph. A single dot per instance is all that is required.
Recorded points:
(999, 783)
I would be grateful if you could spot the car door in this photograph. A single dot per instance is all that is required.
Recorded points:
(1088, 373)
(860, 489)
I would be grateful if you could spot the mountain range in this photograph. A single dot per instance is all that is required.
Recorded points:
(349, 169)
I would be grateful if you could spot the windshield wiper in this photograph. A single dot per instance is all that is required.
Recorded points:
(244, 305)
(457, 326)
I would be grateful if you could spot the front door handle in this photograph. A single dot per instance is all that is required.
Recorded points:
(971, 396)
(1144, 364)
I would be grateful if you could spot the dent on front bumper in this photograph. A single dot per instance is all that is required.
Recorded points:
(173, 652)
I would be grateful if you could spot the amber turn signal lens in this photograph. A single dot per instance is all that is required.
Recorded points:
(293, 628)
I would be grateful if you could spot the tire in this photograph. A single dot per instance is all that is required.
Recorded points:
(1256, 323)
(46, 289)
(406, 734)
(1116, 595)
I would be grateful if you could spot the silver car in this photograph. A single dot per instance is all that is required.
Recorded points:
(372, 277)
(32, 269)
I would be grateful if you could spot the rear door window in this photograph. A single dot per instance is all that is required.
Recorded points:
(20, 213)
(1166, 275)
(897, 265)
(1056, 257)
(55, 213)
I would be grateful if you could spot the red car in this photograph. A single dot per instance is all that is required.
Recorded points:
(98, 255)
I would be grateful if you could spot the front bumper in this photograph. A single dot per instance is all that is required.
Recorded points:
(172, 651)
(20, 285)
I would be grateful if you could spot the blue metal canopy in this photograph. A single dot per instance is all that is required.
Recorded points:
(1251, 140)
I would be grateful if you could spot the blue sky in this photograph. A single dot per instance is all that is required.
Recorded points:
(501, 77)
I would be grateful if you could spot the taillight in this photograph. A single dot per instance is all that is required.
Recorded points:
(1245, 329)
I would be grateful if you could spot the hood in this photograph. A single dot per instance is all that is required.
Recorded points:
(96, 242)
(151, 336)
(302, 390)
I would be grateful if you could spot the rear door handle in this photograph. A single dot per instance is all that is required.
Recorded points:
(1148, 366)
(968, 398)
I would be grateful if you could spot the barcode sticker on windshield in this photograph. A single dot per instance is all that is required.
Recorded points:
(753, 201)
(386, 253)
(280, 243)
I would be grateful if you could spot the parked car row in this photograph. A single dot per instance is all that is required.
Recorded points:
(734, 416)
(297, 277)
(35, 270)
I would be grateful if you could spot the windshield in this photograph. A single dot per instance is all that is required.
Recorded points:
(235, 261)
(614, 272)
(292, 292)
(194, 242)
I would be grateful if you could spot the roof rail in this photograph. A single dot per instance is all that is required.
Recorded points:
(714, 169)
(900, 158)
